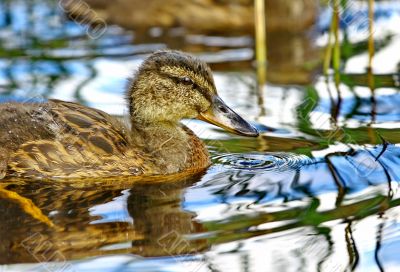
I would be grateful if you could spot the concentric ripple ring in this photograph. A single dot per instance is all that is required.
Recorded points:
(279, 161)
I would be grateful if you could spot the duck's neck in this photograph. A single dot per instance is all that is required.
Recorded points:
(173, 147)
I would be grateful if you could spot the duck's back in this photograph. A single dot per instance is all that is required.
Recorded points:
(66, 140)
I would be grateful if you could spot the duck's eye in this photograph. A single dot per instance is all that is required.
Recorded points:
(186, 80)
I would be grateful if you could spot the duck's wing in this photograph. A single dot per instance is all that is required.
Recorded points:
(20, 123)
(92, 126)
(84, 142)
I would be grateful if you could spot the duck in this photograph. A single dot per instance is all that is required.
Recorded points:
(56, 139)
(199, 17)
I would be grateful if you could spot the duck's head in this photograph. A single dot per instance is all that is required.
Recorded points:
(171, 85)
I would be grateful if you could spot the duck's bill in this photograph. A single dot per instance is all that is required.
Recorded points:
(221, 115)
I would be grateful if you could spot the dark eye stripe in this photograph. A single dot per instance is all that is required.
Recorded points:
(178, 80)
(206, 94)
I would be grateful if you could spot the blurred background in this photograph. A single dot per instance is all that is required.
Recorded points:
(317, 191)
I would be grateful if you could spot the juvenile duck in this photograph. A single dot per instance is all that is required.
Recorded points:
(58, 139)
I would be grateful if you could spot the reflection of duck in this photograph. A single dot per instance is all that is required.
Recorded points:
(159, 218)
(63, 139)
(146, 219)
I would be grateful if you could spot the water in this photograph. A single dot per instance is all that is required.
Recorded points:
(253, 162)
(317, 191)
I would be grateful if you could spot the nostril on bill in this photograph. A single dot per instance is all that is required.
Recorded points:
(223, 109)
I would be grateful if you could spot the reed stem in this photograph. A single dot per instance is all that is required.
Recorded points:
(371, 47)
(261, 41)
(328, 52)
(336, 49)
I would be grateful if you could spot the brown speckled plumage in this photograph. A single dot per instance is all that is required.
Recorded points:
(58, 139)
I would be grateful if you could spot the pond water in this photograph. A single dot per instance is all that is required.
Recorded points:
(317, 191)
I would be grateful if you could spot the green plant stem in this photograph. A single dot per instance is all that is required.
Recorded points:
(371, 48)
(261, 41)
(336, 49)
(328, 51)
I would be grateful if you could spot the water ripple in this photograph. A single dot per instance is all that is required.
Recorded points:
(266, 161)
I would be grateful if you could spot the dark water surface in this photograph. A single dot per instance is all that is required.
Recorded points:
(317, 191)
